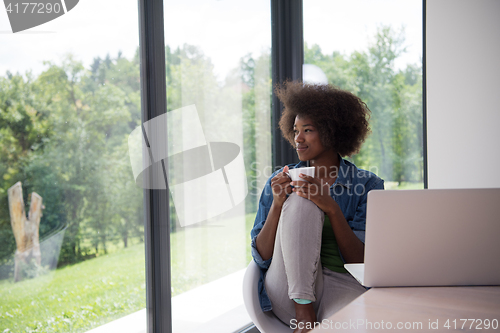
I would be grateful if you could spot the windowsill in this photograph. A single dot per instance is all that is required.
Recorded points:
(210, 310)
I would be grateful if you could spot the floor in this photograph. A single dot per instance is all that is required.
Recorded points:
(193, 314)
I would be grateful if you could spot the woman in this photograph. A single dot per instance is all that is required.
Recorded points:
(306, 230)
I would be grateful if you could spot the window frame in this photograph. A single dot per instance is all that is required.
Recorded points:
(287, 55)
(156, 202)
(424, 94)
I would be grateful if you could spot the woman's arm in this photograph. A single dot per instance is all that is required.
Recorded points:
(351, 248)
(265, 239)
(264, 242)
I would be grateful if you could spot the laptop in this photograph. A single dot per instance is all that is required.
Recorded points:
(448, 237)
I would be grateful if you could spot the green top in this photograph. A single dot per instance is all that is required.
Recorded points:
(330, 255)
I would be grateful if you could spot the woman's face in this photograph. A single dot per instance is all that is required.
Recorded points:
(307, 140)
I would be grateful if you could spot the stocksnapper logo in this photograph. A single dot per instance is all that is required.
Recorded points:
(25, 15)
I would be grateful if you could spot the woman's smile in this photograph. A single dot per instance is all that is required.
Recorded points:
(301, 148)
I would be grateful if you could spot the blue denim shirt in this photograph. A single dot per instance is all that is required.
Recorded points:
(349, 191)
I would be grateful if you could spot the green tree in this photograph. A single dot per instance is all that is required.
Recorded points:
(24, 129)
(394, 97)
(64, 135)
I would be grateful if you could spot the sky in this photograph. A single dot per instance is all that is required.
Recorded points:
(225, 30)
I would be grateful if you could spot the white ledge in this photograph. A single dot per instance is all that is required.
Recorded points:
(213, 307)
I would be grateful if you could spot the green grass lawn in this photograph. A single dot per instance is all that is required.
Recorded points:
(80, 297)
(403, 186)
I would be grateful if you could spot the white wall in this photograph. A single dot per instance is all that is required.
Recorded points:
(463, 93)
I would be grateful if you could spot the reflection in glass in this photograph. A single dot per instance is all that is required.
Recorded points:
(218, 63)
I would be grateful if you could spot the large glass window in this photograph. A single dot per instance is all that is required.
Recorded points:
(218, 100)
(374, 49)
(71, 216)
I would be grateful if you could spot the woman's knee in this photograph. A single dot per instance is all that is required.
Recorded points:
(296, 205)
(298, 202)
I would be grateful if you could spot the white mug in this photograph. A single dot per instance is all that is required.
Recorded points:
(294, 173)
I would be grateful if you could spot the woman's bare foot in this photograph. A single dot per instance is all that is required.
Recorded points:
(306, 317)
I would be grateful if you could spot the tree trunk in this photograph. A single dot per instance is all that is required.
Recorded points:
(25, 229)
(125, 239)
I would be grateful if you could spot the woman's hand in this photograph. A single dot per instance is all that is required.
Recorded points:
(281, 187)
(316, 191)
